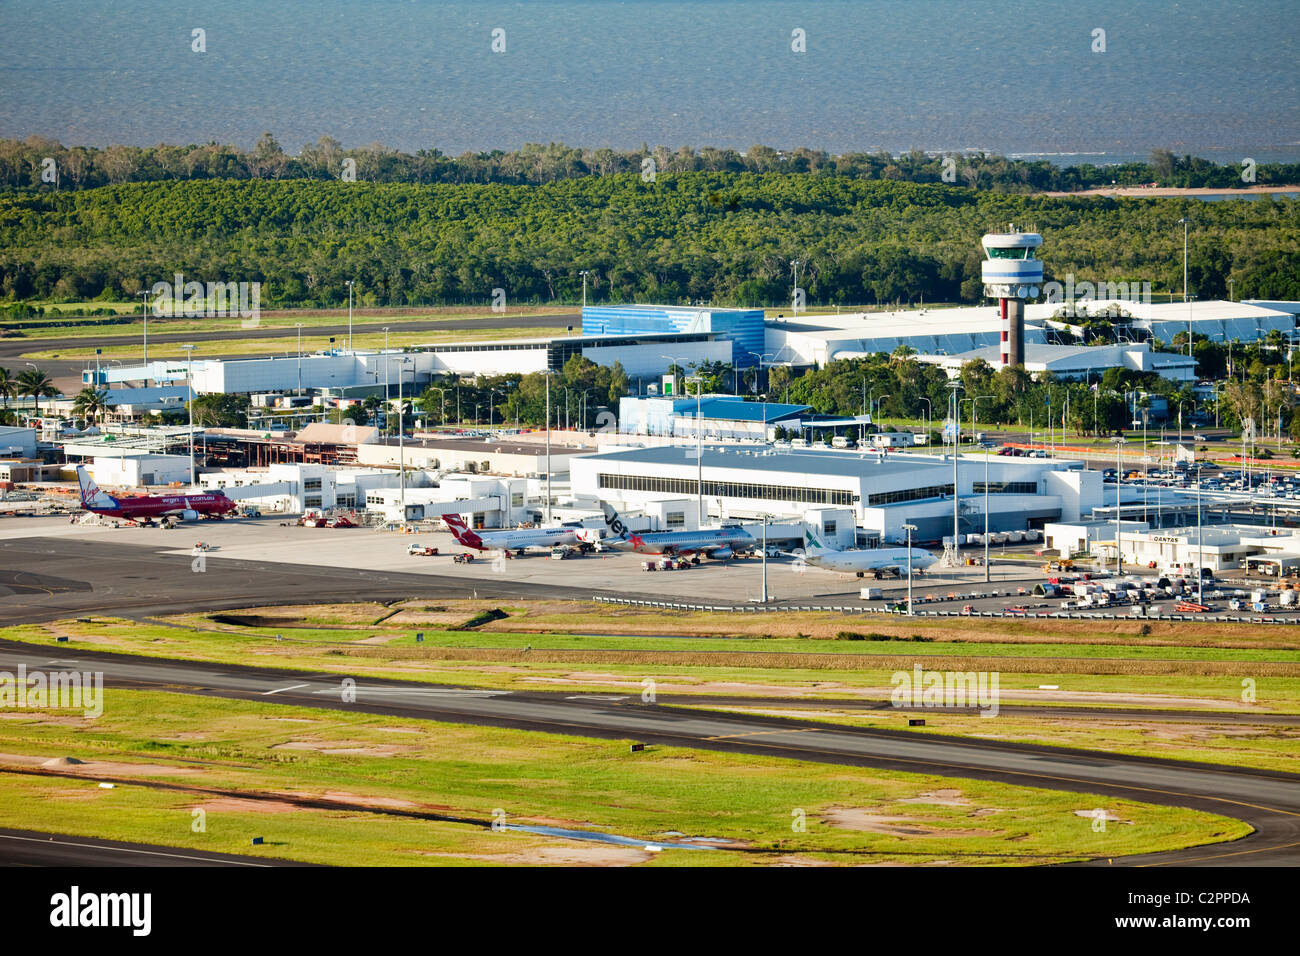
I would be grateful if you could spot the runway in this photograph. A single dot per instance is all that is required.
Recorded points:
(1269, 801)
(29, 848)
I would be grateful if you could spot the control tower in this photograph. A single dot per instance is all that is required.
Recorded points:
(1011, 275)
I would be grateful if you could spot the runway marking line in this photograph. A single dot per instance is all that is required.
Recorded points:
(279, 690)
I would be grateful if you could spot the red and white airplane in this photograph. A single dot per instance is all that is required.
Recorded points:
(144, 508)
(509, 540)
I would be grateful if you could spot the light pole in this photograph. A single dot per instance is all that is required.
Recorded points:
(349, 284)
(699, 451)
(298, 326)
(386, 370)
(1200, 555)
(862, 432)
(442, 395)
(189, 375)
(764, 558)
(401, 430)
(794, 296)
(987, 572)
(909, 528)
(699, 439)
(548, 445)
(1119, 477)
(955, 386)
(583, 273)
(762, 362)
(144, 311)
(929, 413)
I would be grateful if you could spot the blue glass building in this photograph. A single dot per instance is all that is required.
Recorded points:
(742, 327)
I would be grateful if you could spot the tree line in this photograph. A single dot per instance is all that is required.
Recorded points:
(41, 163)
(725, 238)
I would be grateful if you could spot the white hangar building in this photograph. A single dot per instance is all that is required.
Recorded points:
(968, 332)
(640, 355)
(883, 492)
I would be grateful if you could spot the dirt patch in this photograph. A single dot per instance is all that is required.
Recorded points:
(244, 805)
(561, 856)
(793, 860)
(44, 717)
(358, 750)
(942, 798)
(340, 796)
(95, 768)
(850, 818)
(379, 639)
(869, 821)
(302, 615)
(427, 618)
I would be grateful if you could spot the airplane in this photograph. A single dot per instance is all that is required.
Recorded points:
(717, 543)
(509, 540)
(859, 562)
(142, 508)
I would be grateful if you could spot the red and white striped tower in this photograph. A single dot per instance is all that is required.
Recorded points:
(1012, 274)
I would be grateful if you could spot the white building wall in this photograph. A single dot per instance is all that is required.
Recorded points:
(648, 360)
(21, 439)
(137, 471)
(1079, 492)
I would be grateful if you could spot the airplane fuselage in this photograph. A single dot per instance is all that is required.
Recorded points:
(870, 559)
(683, 542)
(162, 506)
(521, 540)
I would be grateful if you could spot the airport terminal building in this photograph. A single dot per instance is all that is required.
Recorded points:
(882, 492)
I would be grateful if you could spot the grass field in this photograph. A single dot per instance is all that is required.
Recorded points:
(200, 753)
(506, 661)
(1264, 746)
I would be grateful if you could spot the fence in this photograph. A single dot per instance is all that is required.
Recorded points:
(897, 612)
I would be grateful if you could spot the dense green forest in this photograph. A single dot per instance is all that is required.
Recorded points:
(26, 163)
(724, 238)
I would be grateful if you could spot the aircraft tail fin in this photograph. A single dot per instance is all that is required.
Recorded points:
(92, 496)
(613, 521)
(812, 541)
(461, 532)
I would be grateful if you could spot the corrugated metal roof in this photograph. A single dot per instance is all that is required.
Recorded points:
(794, 461)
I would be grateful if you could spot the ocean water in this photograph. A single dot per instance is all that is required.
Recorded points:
(1209, 78)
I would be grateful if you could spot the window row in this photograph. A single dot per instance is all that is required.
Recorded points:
(727, 489)
(909, 494)
(1008, 487)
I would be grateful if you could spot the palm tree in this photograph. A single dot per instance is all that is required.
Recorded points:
(38, 385)
(90, 404)
(8, 386)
